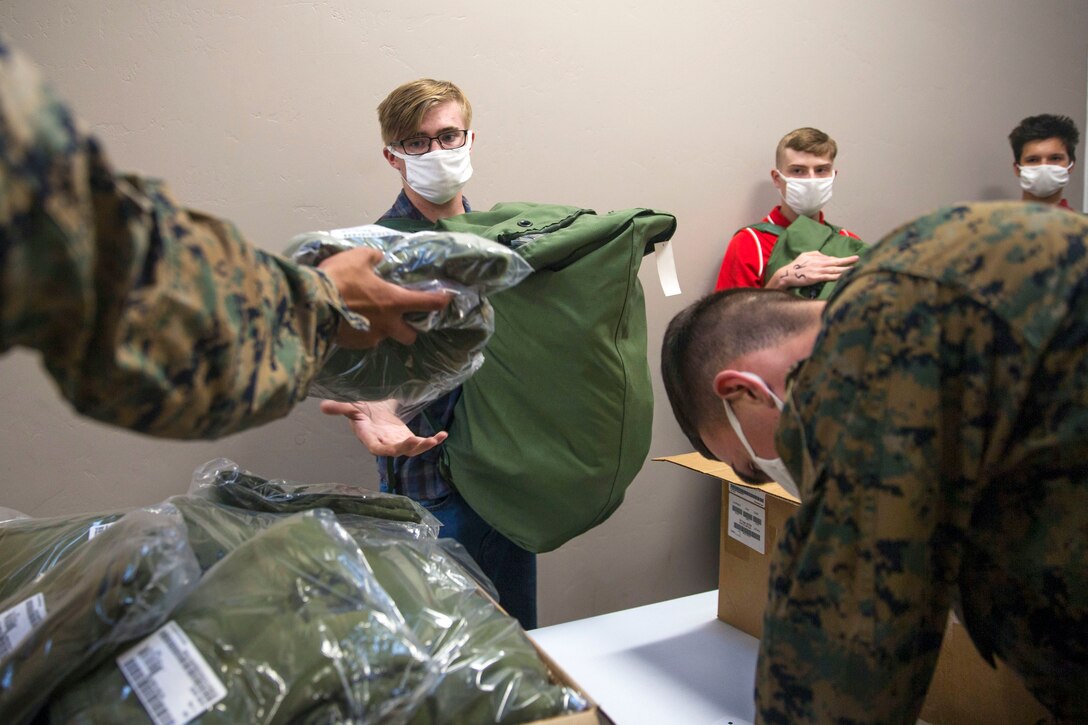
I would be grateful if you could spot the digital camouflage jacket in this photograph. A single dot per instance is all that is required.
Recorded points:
(148, 316)
(940, 431)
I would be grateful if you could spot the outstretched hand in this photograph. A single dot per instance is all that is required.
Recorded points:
(382, 303)
(377, 426)
(810, 268)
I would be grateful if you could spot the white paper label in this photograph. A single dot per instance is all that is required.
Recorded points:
(747, 516)
(364, 232)
(171, 679)
(19, 621)
(666, 269)
(98, 529)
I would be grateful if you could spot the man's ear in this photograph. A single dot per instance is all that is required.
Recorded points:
(778, 181)
(734, 385)
(1016, 168)
(390, 158)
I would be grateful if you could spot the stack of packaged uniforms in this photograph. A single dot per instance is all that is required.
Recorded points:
(258, 601)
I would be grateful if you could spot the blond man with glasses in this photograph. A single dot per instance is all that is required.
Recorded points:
(427, 137)
(425, 129)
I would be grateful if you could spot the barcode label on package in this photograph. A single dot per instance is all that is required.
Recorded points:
(19, 621)
(97, 529)
(173, 682)
(747, 516)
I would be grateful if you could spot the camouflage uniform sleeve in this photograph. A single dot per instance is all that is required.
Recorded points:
(148, 316)
(863, 578)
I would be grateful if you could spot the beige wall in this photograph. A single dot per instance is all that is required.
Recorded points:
(265, 112)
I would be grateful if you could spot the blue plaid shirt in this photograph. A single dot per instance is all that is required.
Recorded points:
(418, 476)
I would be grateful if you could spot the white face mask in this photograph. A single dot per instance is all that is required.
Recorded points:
(773, 467)
(438, 175)
(807, 196)
(1043, 180)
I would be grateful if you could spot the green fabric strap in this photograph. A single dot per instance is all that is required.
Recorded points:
(768, 227)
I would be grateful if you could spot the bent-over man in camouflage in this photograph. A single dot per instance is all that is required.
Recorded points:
(151, 316)
(934, 416)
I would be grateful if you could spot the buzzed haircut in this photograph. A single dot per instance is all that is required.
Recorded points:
(709, 335)
(1042, 127)
(402, 111)
(807, 140)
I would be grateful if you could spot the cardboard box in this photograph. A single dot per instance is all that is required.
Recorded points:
(965, 690)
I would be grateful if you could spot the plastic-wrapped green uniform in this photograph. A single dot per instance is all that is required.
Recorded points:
(291, 619)
(120, 586)
(147, 315)
(940, 431)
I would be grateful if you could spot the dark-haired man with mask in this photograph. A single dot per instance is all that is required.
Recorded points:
(1044, 151)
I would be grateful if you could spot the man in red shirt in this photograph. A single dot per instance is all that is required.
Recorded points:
(1044, 150)
(803, 174)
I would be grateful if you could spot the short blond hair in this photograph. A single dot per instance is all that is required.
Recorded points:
(402, 111)
(807, 140)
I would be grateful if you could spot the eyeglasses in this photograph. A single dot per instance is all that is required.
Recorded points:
(419, 145)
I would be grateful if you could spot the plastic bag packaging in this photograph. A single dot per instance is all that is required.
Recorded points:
(223, 481)
(119, 587)
(490, 671)
(459, 554)
(217, 529)
(30, 547)
(290, 620)
(7, 514)
(449, 348)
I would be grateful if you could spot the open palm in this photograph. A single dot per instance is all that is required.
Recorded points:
(379, 428)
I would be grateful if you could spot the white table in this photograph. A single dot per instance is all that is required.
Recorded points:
(672, 662)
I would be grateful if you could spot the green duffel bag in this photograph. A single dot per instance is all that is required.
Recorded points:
(549, 433)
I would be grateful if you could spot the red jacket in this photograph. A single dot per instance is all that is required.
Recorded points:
(749, 251)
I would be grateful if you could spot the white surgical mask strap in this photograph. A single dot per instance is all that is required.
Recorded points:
(732, 416)
(737, 429)
(763, 384)
(773, 467)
